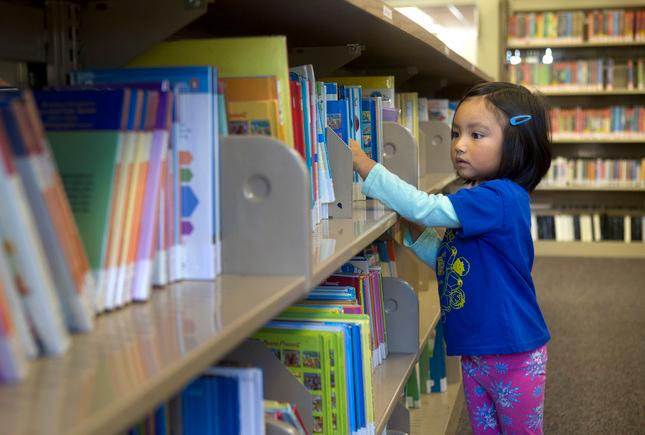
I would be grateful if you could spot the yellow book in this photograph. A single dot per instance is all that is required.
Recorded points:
(409, 105)
(253, 117)
(372, 86)
(233, 57)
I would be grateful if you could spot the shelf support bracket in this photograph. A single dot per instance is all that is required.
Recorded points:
(340, 161)
(436, 145)
(265, 210)
(401, 316)
(278, 382)
(401, 152)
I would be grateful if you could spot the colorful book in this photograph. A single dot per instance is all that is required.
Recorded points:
(24, 248)
(233, 57)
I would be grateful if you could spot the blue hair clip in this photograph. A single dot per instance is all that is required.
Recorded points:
(520, 119)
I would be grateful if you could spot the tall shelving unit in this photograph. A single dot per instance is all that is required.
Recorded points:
(580, 196)
(145, 353)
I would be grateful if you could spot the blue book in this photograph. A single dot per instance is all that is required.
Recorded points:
(338, 118)
(197, 407)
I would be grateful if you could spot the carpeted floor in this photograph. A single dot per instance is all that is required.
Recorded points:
(595, 310)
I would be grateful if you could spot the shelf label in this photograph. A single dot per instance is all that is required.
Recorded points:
(387, 12)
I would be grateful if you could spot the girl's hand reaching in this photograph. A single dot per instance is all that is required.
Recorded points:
(362, 163)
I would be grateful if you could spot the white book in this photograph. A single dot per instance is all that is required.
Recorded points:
(627, 224)
(37, 176)
(597, 232)
(21, 236)
(13, 361)
(19, 345)
(534, 224)
(586, 233)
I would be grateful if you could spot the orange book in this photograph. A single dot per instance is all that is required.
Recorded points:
(249, 89)
(146, 143)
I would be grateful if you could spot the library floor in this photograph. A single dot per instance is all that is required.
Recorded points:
(595, 309)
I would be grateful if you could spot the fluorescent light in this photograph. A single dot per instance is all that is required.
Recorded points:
(457, 14)
(421, 18)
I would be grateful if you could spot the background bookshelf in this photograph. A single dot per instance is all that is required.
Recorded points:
(557, 66)
(145, 353)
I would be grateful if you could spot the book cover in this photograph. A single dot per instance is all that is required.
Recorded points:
(253, 118)
(46, 197)
(23, 248)
(194, 162)
(233, 57)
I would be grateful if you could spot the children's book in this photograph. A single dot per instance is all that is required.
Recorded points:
(193, 166)
(57, 229)
(373, 86)
(257, 117)
(306, 354)
(23, 247)
(233, 57)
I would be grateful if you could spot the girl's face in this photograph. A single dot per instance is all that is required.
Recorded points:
(477, 136)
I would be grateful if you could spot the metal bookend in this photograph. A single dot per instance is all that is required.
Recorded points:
(437, 146)
(111, 32)
(340, 162)
(265, 207)
(401, 316)
(400, 419)
(401, 152)
(278, 382)
(277, 427)
(423, 154)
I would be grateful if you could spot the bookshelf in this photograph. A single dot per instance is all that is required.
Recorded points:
(590, 249)
(613, 53)
(591, 187)
(144, 353)
(439, 413)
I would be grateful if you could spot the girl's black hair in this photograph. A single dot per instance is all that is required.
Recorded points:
(526, 150)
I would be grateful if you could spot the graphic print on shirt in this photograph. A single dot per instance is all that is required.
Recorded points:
(451, 268)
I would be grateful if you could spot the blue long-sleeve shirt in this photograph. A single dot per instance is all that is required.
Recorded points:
(483, 263)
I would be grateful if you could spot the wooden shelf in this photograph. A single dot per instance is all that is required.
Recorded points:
(393, 42)
(558, 5)
(439, 412)
(580, 139)
(335, 241)
(611, 249)
(591, 187)
(141, 355)
(390, 378)
(436, 182)
(554, 92)
(529, 44)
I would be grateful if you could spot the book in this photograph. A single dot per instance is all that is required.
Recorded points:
(23, 248)
(84, 128)
(57, 230)
(233, 57)
(193, 167)
(372, 86)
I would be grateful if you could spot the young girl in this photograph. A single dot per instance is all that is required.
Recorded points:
(491, 316)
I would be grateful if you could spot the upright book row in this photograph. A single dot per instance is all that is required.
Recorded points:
(627, 121)
(598, 172)
(330, 342)
(581, 75)
(609, 25)
(588, 226)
